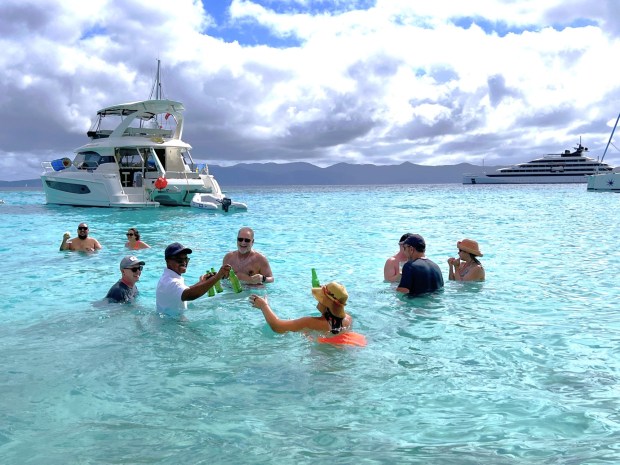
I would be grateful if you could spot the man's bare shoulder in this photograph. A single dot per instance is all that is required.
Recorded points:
(256, 255)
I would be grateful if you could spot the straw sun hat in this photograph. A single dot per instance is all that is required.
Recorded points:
(469, 246)
(334, 296)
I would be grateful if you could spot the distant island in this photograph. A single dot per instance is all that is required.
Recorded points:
(299, 174)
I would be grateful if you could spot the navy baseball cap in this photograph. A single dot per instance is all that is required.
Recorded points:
(415, 241)
(403, 238)
(175, 249)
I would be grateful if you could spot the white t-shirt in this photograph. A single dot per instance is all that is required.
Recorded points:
(168, 296)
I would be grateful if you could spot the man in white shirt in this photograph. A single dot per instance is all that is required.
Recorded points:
(172, 293)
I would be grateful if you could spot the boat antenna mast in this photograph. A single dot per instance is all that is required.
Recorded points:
(156, 90)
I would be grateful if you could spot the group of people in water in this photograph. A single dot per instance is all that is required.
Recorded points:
(415, 274)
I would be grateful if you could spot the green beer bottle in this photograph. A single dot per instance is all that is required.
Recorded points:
(218, 284)
(315, 279)
(234, 281)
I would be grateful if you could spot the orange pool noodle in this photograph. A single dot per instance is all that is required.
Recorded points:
(352, 339)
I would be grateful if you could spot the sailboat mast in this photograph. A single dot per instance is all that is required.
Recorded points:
(610, 137)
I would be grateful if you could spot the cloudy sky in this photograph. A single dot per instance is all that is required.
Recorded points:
(324, 81)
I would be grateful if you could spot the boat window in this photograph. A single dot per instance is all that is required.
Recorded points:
(187, 160)
(68, 187)
(90, 160)
(129, 158)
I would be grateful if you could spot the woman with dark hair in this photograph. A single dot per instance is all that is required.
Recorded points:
(133, 240)
(466, 267)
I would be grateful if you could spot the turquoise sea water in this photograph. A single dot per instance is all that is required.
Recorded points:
(523, 368)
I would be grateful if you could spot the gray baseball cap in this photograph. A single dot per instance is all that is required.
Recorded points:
(130, 261)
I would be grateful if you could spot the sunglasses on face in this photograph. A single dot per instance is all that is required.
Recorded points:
(181, 260)
(243, 239)
(129, 234)
(82, 228)
(135, 269)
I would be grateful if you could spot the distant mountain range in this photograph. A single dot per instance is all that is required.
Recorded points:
(291, 174)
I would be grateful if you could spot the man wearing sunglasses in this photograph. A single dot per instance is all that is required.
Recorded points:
(172, 293)
(82, 242)
(250, 266)
(125, 289)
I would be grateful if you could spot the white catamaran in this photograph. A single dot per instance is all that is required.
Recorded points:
(135, 158)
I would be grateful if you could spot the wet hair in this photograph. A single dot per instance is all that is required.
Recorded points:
(135, 233)
(334, 322)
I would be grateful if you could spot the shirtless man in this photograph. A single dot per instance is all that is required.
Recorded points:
(393, 265)
(82, 242)
(249, 265)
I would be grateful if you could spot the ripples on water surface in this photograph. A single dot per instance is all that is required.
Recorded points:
(520, 369)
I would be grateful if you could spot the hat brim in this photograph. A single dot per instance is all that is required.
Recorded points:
(335, 308)
(133, 264)
(475, 252)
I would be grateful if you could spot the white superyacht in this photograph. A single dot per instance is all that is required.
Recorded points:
(567, 167)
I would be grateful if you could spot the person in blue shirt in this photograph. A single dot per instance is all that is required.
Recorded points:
(420, 275)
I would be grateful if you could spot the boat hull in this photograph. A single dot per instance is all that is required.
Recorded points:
(609, 182)
(92, 190)
(552, 179)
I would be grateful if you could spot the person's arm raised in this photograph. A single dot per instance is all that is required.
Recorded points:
(282, 326)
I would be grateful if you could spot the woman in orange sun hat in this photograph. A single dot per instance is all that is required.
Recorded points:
(466, 267)
(331, 300)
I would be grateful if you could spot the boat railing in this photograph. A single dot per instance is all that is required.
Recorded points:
(148, 132)
(182, 175)
(48, 167)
